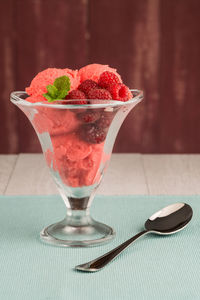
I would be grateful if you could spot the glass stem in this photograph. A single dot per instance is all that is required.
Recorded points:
(77, 217)
(78, 203)
(78, 211)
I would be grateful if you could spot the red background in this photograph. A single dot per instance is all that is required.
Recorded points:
(154, 44)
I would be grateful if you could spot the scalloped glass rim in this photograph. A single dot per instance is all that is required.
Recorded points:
(15, 98)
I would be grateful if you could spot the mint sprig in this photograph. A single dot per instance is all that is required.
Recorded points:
(58, 90)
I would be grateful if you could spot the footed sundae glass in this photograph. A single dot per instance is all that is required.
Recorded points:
(77, 142)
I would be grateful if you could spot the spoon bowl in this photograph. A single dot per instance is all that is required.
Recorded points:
(170, 219)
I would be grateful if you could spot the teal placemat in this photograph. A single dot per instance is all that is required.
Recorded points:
(153, 268)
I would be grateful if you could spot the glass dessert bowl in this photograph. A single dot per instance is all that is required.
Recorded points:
(77, 142)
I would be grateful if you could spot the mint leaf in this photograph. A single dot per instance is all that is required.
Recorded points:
(62, 94)
(58, 90)
(52, 91)
(48, 97)
(62, 83)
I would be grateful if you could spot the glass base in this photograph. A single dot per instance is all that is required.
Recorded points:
(77, 231)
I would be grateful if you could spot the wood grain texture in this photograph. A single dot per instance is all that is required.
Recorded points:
(127, 174)
(154, 44)
(8, 113)
(7, 164)
(31, 176)
(172, 174)
(180, 73)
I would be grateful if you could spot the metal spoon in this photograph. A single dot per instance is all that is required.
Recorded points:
(168, 220)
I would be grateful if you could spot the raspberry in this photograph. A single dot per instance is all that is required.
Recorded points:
(119, 92)
(105, 120)
(89, 116)
(93, 134)
(107, 78)
(76, 94)
(87, 85)
(99, 94)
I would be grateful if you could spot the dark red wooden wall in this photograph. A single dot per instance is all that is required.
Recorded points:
(154, 44)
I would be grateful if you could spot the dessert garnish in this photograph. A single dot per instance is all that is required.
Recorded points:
(58, 90)
(95, 82)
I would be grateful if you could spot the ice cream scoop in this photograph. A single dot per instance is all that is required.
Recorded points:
(93, 72)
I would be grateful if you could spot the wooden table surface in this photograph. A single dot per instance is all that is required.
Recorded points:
(127, 174)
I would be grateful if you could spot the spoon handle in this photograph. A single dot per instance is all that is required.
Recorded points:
(100, 262)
